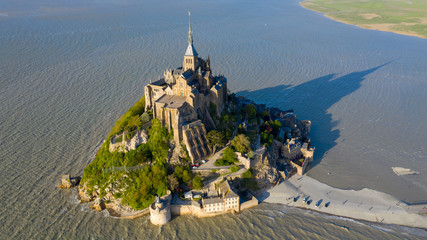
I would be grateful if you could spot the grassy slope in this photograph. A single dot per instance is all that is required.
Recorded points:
(407, 17)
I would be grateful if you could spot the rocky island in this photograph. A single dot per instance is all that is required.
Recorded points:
(189, 146)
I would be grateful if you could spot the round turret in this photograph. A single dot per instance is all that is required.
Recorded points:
(160, 212)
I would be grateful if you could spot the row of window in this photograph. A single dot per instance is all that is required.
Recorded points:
(214, 209)
(219, 208)
(230, 199)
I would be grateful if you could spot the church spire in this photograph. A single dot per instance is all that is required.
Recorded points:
(190, 49)
(191, 60)
(190, 33)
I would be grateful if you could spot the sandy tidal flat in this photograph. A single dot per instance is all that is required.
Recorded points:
(365, 204)
(402, 17)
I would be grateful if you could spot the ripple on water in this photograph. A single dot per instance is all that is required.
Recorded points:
(66, 78)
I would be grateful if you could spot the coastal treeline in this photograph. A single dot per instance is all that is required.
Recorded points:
(137, 176)
(132, 119)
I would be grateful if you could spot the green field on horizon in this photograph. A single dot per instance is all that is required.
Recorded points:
(405, 17)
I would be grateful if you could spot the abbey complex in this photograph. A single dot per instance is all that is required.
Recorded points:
(182, 98)
(191, 147)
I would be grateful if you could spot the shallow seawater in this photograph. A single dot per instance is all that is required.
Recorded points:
(68, 70)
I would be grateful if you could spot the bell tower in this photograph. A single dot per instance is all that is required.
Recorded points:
(190, 56)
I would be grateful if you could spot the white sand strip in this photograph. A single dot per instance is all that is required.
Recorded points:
(365, 204)
(403, 171)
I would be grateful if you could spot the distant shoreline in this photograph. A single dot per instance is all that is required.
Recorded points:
(385, 27)
(365, 204)
(379, 28)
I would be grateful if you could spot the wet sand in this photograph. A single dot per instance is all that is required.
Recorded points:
(365, 204)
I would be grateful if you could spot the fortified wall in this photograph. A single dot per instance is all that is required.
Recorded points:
(125, 145)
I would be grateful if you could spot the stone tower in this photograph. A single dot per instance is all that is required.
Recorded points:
(160, 210)
(190, 56)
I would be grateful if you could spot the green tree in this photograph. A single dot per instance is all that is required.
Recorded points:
(145, 117)
(240, 129)
(215, 139)
(141, 186)
(265, 116)
(141, 154)
(133, 123)
(228, 158)
(229, 155)
(186, 176)
(212, 110)
(122, 122)
(185, 157)
(276, 125)
(241, 143)
(234, 169)
(228, 134)
(248, 174)
(266, 138)
(197, 182)
(183, 174)
(250, 111)
(173, 182)
(251, 155)
(158, 140)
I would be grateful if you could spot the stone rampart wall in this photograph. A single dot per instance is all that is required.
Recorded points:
(297, 167)
(242, 160)
(249, 204)
(178, 210)
(131, 144)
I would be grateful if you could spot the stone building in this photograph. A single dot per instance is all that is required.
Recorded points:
(294, 150)
(183, 97)
(213, 204)
(231, 198)
(228, 200)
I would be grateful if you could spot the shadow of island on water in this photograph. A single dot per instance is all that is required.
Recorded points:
(314, 98)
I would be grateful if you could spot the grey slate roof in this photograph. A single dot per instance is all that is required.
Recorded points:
(227, 190)
(159, 82)
(187, 74)
(191, 51)
(177, 71)
(212, 200)
(231, 194)
(172, 101)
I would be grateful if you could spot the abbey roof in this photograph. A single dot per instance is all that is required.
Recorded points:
(172, 101)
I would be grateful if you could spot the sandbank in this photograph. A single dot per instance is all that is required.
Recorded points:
(333, 12)
(385, 27)
(365, 204)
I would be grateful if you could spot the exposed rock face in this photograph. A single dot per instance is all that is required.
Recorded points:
(98, 205)
(65, 182)
(68, 182)
(138, 138)
(83, 196)
(265, 170)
